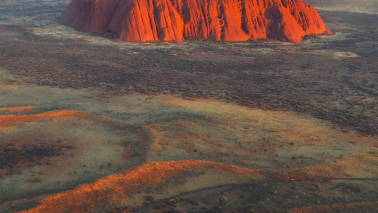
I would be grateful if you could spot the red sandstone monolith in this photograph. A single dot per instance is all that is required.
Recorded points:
(173, 20)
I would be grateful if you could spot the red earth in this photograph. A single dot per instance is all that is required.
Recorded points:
(173, 20)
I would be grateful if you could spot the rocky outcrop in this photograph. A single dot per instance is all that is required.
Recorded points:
(221, 20)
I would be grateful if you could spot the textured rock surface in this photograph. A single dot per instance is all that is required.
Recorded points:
(166, 20)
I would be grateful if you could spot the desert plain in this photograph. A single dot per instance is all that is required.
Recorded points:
(89, 124)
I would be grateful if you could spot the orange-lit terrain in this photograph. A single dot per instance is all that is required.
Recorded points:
(88, 124)
(220, 20)
(10, 120)
(122, 189)
(57, 150)
(184, 156)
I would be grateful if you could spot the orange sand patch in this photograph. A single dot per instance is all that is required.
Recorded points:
(18, 109)
(350, 207)
(10, 120)
(157, 139)
(116, 188)
(360, 165)
(309, 138)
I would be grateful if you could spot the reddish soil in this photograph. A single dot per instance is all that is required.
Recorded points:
(134, 148)
(221, 20)
(10, 120)
(20, 153)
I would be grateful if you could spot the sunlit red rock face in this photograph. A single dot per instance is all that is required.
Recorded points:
(221, 20)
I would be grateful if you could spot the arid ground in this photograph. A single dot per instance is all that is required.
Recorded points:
(88, 124)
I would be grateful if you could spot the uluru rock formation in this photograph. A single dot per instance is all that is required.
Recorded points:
(221, 20)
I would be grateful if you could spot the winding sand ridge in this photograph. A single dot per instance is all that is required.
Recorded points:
(114, 191)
